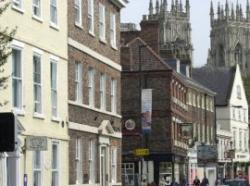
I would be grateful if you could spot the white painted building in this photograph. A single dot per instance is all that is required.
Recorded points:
(231, 110)
(224, 138)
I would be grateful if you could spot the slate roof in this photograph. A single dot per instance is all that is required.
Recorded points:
(220, 80)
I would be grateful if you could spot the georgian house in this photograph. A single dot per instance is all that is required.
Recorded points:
(167, 148)
(36, 68)
(231, 113)
(94, 92)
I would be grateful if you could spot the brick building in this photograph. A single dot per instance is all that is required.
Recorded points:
(94, 92)
(168, 150)
(168, 35)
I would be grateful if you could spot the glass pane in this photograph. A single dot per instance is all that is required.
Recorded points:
(16, 63)
(54, 156)
(54, 178)
(37, 178)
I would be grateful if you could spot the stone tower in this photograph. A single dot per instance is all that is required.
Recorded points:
(230, 36)
(172, 26)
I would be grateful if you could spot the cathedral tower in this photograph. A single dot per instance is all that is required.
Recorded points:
(169, 22)
(230, 36)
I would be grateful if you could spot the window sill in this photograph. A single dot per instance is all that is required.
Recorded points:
(38, 116)
(114, 47)
(95, 109)
(102, 40)
(19, 112)
(20, 10)
(92, 33)
(56, 119)
(54, 26)
(39, 19)
(78, 25)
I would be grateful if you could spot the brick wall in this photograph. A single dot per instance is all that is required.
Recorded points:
(82, 34)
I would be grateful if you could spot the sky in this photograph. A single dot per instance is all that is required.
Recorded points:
(200, 21)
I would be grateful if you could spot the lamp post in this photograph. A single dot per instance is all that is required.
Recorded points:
(140, 106)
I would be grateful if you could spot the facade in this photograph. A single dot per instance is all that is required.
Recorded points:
(231, 110)
(230, 37)
(168, 149)
(200, 101)
(34, 93)
(224, 141)
(94, 92)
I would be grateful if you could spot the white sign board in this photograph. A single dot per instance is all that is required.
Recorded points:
(206, 154)
(34, 143)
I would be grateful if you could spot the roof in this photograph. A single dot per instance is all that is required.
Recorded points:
(220, 80)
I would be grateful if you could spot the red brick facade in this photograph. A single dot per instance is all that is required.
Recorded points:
(85, 122)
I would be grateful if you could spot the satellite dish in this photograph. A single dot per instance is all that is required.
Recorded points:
(130, 124)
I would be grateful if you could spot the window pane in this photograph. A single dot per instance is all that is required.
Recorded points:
(55, 178)
(37, 178)
(54, 156)
(53, 11)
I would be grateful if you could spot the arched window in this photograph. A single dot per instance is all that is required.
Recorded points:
(221, 56)
(238, 54)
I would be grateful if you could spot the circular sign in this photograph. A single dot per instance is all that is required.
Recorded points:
(130, 124)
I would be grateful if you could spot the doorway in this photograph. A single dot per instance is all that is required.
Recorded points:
(103, 166)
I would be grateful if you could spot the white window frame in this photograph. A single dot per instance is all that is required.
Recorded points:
(37, 170)
(91, 18)
(57, 168)
(114, 165)
(78, 82)
(92, 162)
(102, 22)
(78, 13)
(91, 86)
(36, 7)
(113, 30)
(54, 90)
(37, 84)
(103, 92)
(19, 107)
(17, 4)
(113, 95)
(79, 161)
(54, 12)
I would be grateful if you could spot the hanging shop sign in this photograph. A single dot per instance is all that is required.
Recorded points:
(207, 154)
(141, 152)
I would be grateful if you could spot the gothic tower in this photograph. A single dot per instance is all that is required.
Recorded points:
(230, 37)
(174, 28)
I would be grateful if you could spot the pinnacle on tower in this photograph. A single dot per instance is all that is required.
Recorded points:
(248, 10)
(241, 13)
(181, 6)
(227, 9)
(232, 12)
(222, 12)
(176, 5)
(237, 11)
(172, 6)
(157, 7)
(187, 7)
(151, 8)
(218, 11)
(165, 5)
(211, 12)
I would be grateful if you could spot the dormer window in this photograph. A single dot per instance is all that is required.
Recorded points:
(238, 92)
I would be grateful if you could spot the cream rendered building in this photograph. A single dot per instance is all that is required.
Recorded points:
(37, 92)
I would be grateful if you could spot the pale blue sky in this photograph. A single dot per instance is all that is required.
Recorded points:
(200, 21)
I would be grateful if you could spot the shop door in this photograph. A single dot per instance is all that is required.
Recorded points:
(104, 165)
